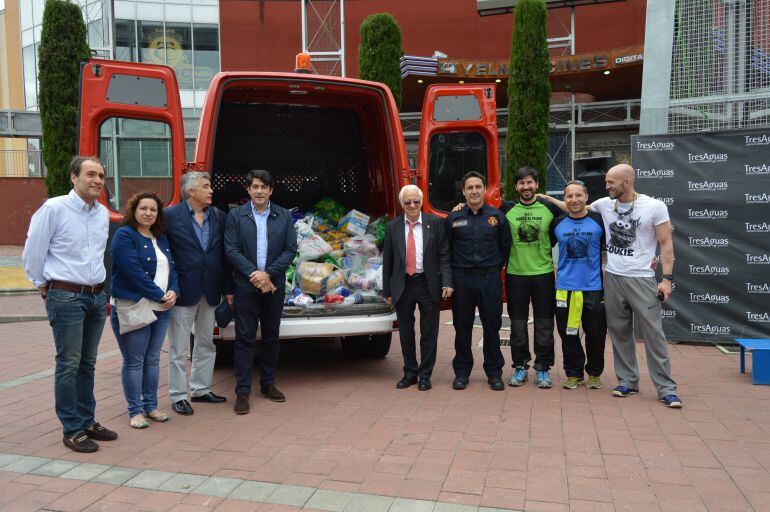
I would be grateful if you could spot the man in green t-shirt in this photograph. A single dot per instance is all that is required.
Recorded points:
(529, 277)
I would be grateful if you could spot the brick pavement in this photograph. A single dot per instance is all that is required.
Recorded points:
(346, 439)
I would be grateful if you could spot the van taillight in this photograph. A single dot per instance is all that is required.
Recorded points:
(216, 331)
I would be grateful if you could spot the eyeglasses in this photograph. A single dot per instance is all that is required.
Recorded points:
(413, 202)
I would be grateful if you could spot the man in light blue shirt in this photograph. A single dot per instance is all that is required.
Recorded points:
(260, 218)
(260, 244)
(64, 257)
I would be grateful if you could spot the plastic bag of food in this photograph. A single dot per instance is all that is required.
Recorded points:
(328, 209)
(312, 247)
(304, 226)
(335, 280)
(311, 276)
(375, 263)
(365, 245)
(332, 258)
(316, 278)
(377, 229)
(353, 262)
(289, 279)
(366, 280)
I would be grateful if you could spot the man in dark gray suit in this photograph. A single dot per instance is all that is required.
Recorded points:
(416, 272)
(260, 244)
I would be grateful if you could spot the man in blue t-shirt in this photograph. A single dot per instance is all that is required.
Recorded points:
(579, 293)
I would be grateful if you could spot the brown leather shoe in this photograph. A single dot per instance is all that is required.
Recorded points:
(100, 433)
(273, 393)
(242, 404)
(81, 443)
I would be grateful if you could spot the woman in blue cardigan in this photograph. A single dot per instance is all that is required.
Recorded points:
(142, 267)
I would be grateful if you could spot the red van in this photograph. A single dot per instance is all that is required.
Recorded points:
(317, 135)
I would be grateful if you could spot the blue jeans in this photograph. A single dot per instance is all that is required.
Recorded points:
(141, 362)
(77, 320)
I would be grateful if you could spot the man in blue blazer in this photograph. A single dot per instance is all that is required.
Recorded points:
(195, 231)
(260, 243)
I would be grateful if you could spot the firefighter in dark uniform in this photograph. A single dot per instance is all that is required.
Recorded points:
(479, 240)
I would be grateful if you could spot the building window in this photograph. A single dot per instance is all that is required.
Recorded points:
(125, 40)
(206, 38)
(137, 155)
(152, 47)
(190, 49)
(29, 60)
(179, 55)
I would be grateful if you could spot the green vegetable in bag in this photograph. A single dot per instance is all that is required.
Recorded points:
(378, 228)
(329, 209)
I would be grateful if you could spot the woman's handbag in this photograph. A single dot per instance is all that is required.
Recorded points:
(223, 314)
(134, 315)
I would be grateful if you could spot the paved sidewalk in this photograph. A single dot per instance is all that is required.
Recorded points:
(12, 278)
(346, 439)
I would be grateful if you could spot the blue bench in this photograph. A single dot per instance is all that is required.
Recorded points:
(760, 359)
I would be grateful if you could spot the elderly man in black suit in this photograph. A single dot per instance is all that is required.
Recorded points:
(416, 272)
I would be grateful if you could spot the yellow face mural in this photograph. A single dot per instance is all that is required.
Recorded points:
(169, 41)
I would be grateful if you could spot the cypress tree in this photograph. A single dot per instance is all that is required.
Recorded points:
(63, 44)
(380, 51)
(529, 94)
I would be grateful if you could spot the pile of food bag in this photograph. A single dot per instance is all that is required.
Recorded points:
(338, 261)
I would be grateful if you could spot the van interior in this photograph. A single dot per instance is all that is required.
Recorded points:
(330, 140)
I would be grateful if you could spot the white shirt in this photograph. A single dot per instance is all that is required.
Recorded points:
(417, 233)
(66, 242)
(161, 270)
(631, 237)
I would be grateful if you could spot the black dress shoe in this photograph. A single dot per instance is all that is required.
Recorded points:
(242, 404)
(406, 382)
(424, 385)
(496, 383)
(460, 383)
(272, 393)
(81, 443)
(182, 407)
(100, 433)
(210, 398)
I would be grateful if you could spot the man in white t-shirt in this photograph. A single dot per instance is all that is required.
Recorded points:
(634, 225)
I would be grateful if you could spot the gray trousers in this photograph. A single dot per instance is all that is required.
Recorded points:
(183, 318)
(634, 299)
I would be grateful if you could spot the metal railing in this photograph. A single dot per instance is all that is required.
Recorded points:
(598, 114)
(21, 163)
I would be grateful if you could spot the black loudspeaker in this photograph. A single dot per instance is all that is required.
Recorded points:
(591, 171)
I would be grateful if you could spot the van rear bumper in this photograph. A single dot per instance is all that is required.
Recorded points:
(325, 327)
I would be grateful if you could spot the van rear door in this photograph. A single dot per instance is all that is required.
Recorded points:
(458, 134)
(131, 117)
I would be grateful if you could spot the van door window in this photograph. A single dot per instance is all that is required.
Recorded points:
(137, 157)
(451, 156)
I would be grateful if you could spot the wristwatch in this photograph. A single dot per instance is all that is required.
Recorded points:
(670, 277)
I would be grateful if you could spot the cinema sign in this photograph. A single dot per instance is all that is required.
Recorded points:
(569, 64)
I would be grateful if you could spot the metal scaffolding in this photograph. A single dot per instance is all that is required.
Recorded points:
(720, 73)
(323, 35)
(98, 18)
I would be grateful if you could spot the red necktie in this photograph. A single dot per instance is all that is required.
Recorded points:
(411, 251)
